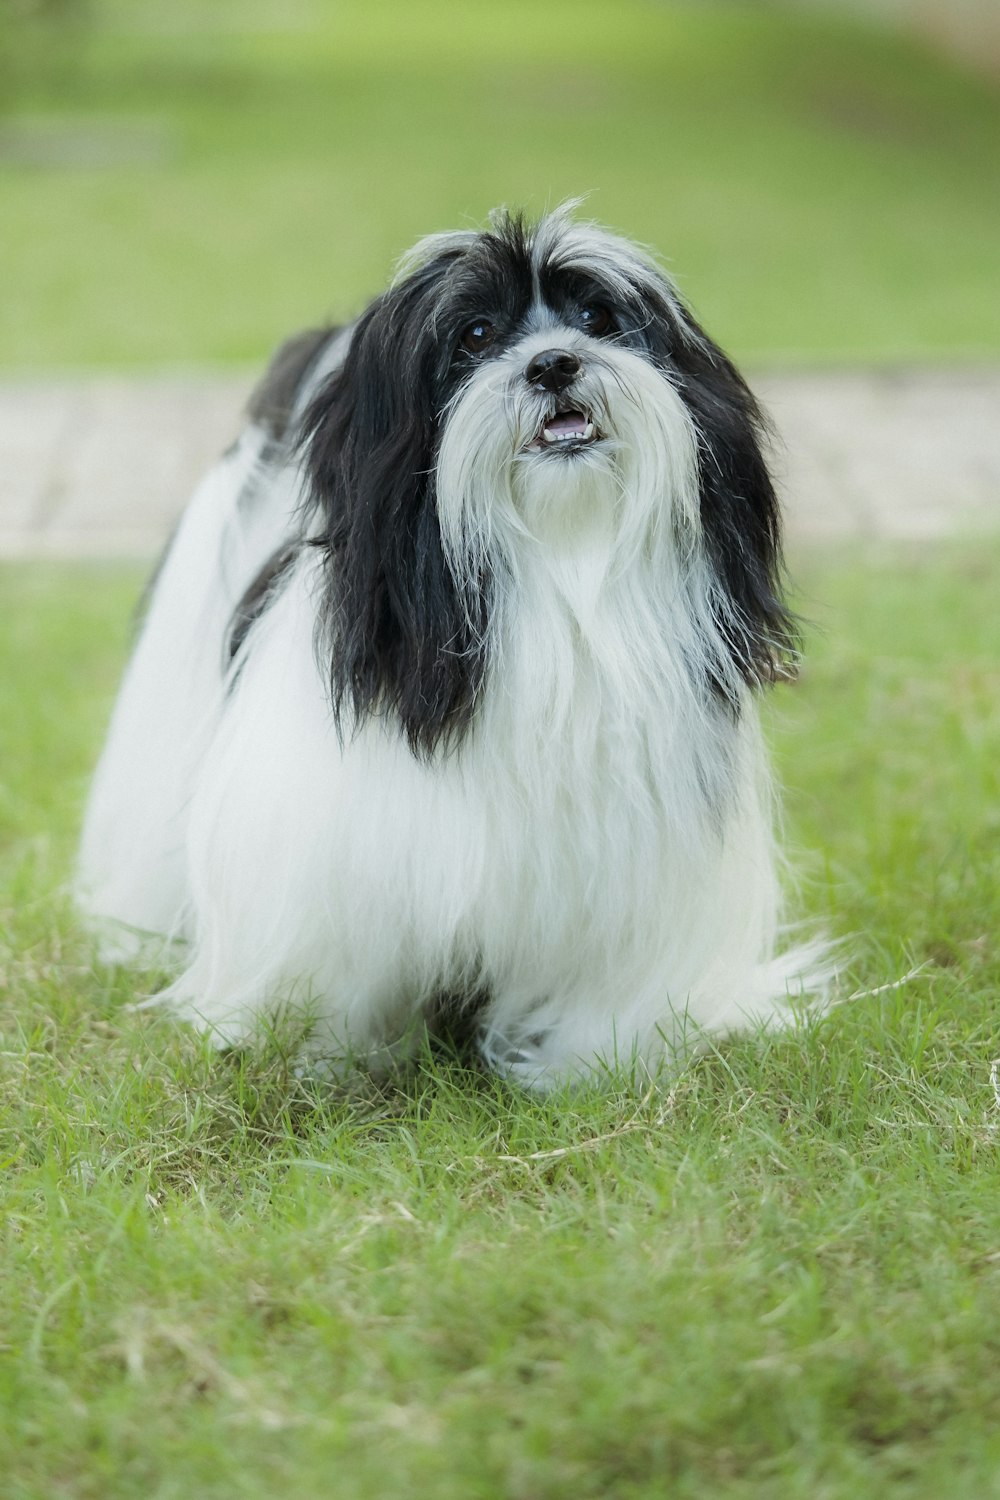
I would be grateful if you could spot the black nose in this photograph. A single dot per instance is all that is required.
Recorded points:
(553, 368)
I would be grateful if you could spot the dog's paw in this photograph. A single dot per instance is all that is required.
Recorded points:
(522, 1061)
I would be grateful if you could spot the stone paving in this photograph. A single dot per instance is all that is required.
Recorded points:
(100, 466)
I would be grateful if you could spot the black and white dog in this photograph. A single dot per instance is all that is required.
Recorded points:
(446, 684)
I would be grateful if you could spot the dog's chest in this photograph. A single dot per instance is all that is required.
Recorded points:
(547, 820)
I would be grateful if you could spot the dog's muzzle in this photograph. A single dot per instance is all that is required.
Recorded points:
(567, 427)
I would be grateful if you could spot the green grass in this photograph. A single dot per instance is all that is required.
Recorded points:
(775, 1276)
(822, 189)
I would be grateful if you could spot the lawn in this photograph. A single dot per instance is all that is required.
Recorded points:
(775, 1275)
(188, 181)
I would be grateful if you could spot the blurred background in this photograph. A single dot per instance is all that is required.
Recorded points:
(187, 180)
(184, 182)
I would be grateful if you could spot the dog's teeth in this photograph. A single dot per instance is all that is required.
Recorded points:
(559, 435)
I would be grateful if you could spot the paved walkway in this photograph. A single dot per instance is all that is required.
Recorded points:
(100, 467)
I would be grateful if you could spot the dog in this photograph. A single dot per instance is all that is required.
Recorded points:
(447, 683)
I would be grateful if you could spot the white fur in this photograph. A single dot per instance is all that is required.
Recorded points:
(596, 853)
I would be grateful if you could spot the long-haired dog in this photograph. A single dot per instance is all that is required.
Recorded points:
(446, 685)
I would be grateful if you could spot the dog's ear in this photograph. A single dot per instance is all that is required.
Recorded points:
(398, 636)
(740, 515)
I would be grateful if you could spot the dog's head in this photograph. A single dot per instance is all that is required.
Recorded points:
(511, 387)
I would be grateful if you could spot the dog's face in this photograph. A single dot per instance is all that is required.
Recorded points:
(526, 383)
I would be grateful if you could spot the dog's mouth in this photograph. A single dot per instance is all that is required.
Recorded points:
(564, 431)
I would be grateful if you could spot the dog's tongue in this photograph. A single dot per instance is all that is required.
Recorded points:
(569, 423)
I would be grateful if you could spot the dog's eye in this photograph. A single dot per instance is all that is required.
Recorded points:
(478, 336)
(596, 320)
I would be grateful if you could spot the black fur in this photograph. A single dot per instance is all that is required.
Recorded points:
(258, 596)
(739, 509)
(740, 516)
(400, 637)
(273, 400)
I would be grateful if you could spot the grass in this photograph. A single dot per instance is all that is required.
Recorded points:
(776, 1275)
(188, 182)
